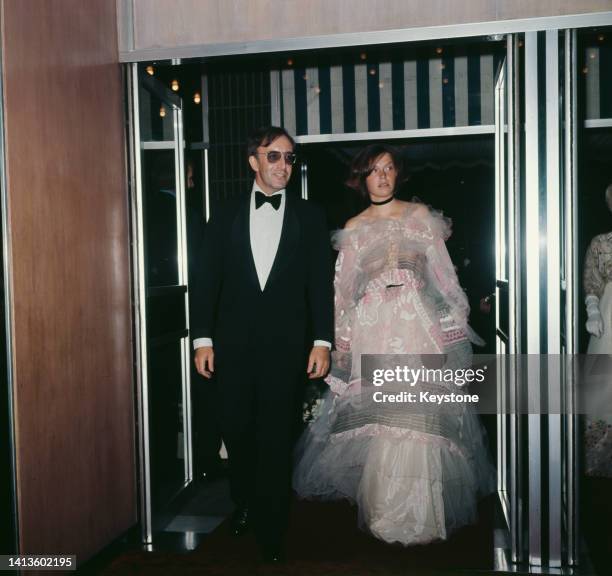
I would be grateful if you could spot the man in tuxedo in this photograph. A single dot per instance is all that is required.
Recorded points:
(264, 276)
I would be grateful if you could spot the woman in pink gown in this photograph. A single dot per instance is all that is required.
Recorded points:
(415, 478)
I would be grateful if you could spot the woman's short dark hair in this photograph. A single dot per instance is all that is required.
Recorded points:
(264, 136)
(363, 164)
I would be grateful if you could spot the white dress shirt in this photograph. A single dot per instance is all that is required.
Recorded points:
(266, 225)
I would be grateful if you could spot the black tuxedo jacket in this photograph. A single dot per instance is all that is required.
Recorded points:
(230, 306)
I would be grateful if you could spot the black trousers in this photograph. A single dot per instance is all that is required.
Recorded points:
(259, 408)
(207, 424)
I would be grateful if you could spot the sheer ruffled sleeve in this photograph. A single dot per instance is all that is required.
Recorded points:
(347, 286)
(443, 277)
(594, 283)
(348, 289)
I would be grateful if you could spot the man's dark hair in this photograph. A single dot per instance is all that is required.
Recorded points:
(264, 136)
(363, 164)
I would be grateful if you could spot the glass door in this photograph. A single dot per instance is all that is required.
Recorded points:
(507, 288)
(162, 314)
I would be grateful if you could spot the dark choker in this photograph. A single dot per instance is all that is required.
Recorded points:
(383, 202)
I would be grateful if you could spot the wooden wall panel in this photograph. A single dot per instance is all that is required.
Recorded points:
(69, 257)
(151, 24)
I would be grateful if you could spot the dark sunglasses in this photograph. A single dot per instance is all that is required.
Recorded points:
(274, 156)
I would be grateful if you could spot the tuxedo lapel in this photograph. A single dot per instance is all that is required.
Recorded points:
(288, 243)
(241, 235)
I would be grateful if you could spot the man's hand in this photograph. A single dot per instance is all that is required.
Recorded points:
(318, 362)
(205, 361)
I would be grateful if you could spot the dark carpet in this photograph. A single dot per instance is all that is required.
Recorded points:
(323, 539)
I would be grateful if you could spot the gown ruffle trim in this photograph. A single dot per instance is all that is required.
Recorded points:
(410, 487)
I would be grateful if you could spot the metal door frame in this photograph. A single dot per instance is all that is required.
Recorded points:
(135, 79)
(525, 337)
(508, 285)
(9, 423)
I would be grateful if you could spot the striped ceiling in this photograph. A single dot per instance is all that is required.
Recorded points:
(444, 89)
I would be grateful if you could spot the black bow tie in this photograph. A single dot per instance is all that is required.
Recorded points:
(261, 198)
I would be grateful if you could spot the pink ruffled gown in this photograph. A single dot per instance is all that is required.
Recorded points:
(414, 478)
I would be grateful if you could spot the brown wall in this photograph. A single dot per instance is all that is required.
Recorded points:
(69, 264)
(151, 24)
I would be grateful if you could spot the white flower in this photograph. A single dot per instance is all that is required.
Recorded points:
(316, 409)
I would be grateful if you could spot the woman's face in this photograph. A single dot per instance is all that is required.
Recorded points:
(381, 181)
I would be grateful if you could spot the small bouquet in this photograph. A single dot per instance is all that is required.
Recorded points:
(311, 411)
(313, 400)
